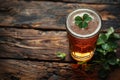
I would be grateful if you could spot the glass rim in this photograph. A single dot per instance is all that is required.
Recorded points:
(88, 35)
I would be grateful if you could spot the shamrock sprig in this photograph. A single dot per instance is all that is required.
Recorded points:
(82, 22)
(105, 55)
(61, 55)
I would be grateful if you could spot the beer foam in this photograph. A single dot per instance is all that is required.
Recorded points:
(80, 12)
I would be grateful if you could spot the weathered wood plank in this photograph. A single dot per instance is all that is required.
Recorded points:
(93, 1)
(30, 43)
(33, 44)
(27, 70)
(52, 15)
(87, 1)
(31, 70)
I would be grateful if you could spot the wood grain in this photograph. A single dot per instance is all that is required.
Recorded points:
(27, 70)
(30, 43)
(32, 70)
(52, 15)
(32, 32)
(34, 44)
(90, 1)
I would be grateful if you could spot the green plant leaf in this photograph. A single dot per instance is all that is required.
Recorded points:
(106, 52)
(101, 51)
(116, 36)
(78, 18)
(109, 47)
(61, 55)
(109, 32)
(84, 24)
(106, 46)
(112, 61)
(118, 61)
(78, 23)
(102, 39)
(87, 18)
(113, 45)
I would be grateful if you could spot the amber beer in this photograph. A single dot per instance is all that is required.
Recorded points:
(82, 42)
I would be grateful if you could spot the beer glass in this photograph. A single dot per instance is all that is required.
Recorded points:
(82, 42)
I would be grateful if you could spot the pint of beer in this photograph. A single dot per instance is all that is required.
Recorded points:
(82, 41)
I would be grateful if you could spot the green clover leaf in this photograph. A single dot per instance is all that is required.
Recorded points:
(78, 18)
(82, 22)
(110, 31)
(102, 39)
(87, 18)
(61, 55)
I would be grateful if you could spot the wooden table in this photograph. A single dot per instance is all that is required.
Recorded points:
(32, 32)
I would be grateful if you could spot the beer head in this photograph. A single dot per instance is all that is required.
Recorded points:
(93, 28)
